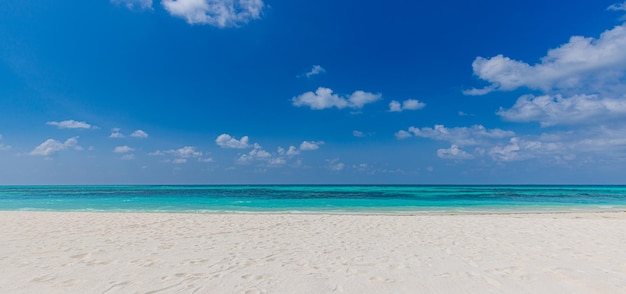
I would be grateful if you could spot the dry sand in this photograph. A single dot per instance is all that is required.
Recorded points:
(63, 252)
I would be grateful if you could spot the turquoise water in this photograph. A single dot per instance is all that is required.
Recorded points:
(312, 198)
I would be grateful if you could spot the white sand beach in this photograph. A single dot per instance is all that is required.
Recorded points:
(69, 252)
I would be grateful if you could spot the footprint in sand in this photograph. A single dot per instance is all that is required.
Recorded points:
(81, 256)
(255, 277)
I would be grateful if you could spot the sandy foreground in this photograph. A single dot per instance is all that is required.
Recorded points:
(62, 252)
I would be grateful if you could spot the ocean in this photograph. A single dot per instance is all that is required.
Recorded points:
(328, 199)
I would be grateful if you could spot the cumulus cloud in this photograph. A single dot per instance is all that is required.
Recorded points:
(310, 145)
(324, 98)
(411, 104)
(358, 134)
(595, 142)
(551, 110)
(70, 124)
(280, 157)
(395, 106)
(182, 155)
(123, 149)
(291, 151)
(218, 13)
(316, 70)
(185, 152)
(134, 4)
(51, 146)
(520, 149)
(115, 133)
(581, 63)
(461, 136)
(229, 142)
(139, 134)
(508, 152)
(156, 153)
(335, 165)
(255, 154)
(304, 146)
(358, 99)
(402, 134)
(618, 7)
(454, 152)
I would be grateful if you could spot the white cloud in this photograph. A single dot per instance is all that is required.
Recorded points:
(139, 134)
(479, 92)
(454, 152)
(520, 149)
(255, 154)
(304, 146)
(596, 142)
(280, 157)
(321, 99)
(579, 64)
(70, 124)
(461, 136)
(156, 153)
(402, 134)
(358, 99)
(317, 69)
(410, 104)
(324, 98)
(227, 141)
(508, 152)
(181, 155)
(554, 110)
(293, 151)
(218, 13)
(185, 152)
(123, 149)
(358, 134)
(52, 146)
(310, 145)
(134, 4)
(395, 106)
(618, 7)
(276, 161)
(115, 133)
(335, 165)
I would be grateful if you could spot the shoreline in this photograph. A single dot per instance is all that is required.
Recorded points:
(72, 252)
(371, 212)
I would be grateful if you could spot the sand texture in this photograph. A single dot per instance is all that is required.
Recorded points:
(66, 252)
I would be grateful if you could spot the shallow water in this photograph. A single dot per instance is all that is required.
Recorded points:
(313, 198)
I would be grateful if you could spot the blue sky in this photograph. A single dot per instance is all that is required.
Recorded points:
(320, 92)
